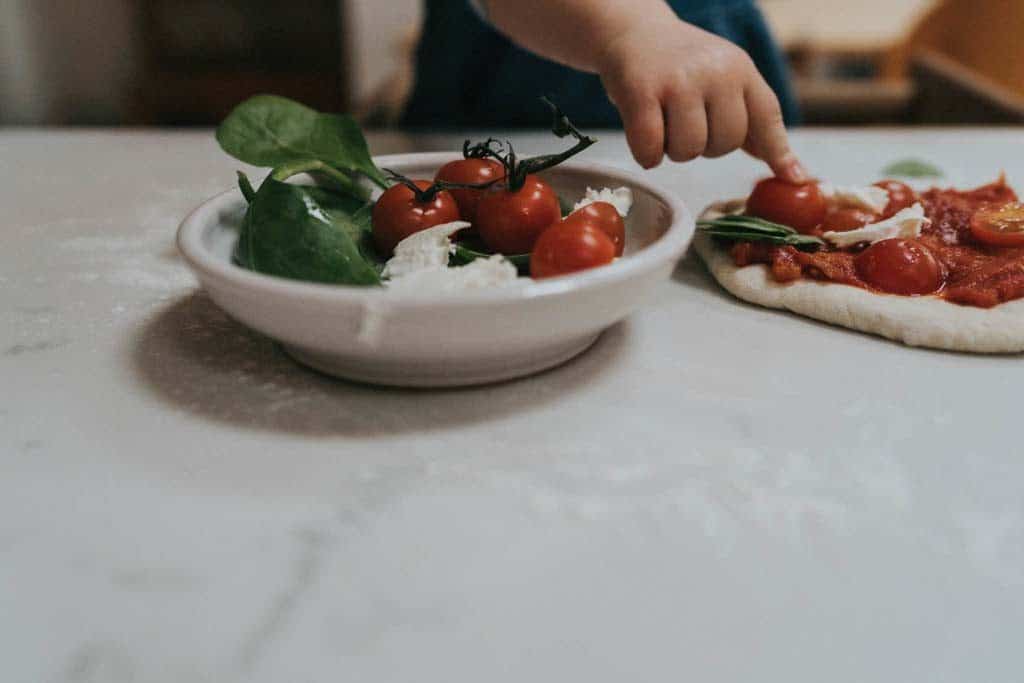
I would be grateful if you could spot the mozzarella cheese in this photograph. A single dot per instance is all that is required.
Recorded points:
(424, 250)
(621, 198)
(906, 223)
(870, 197)
(420, 264)
(496, 271)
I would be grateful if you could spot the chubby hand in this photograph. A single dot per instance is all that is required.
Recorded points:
(687, 93)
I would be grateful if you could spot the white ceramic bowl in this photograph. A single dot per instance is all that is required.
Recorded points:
(372, 335)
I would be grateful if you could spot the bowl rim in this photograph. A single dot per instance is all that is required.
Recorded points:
(668, 247)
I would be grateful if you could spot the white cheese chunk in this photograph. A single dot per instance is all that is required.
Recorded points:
(906, 223)
(420, 264)
(424, 250)
(621, 198)
(870, 197)
(483, 273)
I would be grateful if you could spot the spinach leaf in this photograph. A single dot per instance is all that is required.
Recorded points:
(330, 176)
(269, 131)
(464, 254)
(242, 255)
(308, 233)
(912, 168)
(245, 186)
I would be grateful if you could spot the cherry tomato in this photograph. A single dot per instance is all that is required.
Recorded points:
(569, 246)
(510, 222)
(901, 196)
(900, 266)
(841, 219)
(801, 207)
(398, 214)
(469, 172)
(1001, 226)
(605, 218)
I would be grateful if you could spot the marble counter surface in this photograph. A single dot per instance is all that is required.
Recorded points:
(713, 493)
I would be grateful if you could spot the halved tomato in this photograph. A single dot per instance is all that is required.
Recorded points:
(900, 266)
(901, 196)
(847, 218)
(1001, 226)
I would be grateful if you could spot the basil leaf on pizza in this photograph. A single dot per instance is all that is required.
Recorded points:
(752, 229)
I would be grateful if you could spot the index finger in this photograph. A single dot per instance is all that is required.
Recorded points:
(766, 136)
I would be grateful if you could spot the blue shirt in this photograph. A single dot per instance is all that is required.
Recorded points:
(470, 76)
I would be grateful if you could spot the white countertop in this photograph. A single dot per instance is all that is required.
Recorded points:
(713, 493)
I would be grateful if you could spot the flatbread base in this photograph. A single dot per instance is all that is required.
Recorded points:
(917, 321)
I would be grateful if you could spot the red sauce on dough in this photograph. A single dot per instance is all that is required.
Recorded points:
(976, 274)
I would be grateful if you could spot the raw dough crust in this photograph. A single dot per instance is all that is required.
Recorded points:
(916, 321)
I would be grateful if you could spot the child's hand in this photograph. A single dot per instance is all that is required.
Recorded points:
(688, 93)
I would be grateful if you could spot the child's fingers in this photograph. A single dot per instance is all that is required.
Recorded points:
(686, 123)
(766, 137)
(644, 125)
(727, 122)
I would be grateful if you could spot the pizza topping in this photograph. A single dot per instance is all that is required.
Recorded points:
(990, 282)
(840, 219)
(951, 210)
(749, 253)
(900, 266)
(1002, 226)
(753, 229)
(906, 223)
(870, 198)
(961, 246)
(901, 196)
(786, 266)
(801, 207)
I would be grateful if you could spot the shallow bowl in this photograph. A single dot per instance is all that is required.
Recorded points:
(372, 335)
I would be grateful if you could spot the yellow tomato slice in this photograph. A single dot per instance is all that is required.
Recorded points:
(1002, 226)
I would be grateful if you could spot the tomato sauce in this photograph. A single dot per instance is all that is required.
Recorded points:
(976, 274)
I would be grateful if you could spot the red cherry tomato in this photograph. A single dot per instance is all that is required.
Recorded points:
(570, 246)
(900, 266)
(801, 207)
(469, 172)
(605, 218)
(1001, 226)
(901, 196)
(398, 214)
(511, 222)
(845, 218)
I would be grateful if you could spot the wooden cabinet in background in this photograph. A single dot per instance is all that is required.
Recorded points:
(201, 57)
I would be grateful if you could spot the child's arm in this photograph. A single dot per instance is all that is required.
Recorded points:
(680, 90)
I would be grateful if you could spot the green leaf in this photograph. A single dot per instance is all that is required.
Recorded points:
(752, 229)
(271, 131)
(324, 175)
(245, 186)
(242, 254)
(748, 224)
(912, 168)
(309, 233)
(464, 254)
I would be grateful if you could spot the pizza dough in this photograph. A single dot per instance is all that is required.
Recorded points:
(917, 321)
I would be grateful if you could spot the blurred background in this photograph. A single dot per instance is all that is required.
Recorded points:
(187, 62)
